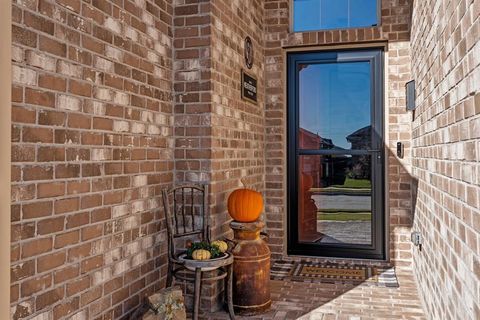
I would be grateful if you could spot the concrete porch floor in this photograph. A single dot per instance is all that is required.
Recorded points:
(322, 301)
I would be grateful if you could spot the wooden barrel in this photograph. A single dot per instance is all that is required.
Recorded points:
(251, 269)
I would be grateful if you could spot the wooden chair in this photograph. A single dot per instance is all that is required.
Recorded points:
(188, 218)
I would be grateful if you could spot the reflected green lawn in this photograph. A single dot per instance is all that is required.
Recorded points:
(344, 216)
(354, 183)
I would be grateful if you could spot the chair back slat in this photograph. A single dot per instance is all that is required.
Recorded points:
(192, 210)
(175, 208)
(183, 211)
(180, 207)
(191, 233)
(206, 217)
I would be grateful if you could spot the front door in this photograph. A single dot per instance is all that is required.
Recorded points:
(335, 154)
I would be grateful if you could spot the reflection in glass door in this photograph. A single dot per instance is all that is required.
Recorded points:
(335, 158)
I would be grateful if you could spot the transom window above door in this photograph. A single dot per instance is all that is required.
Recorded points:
(311, 15)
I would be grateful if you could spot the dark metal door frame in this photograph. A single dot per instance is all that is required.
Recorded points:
(377, 248)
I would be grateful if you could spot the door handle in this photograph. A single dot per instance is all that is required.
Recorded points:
(379, 154)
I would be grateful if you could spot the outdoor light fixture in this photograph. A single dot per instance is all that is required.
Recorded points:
(410, 95)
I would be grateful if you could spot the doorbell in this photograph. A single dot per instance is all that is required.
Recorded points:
(400, 150)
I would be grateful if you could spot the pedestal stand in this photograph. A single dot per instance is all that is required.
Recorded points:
(251, 269)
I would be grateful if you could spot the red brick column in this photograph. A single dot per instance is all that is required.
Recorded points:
(277, 15)
(219, 136)
(192, 86)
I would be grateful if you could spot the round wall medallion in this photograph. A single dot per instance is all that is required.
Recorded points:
(248, 52)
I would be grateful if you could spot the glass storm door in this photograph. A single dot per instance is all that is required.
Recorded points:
(335, 154)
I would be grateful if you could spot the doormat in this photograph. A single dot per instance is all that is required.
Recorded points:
(304, 271)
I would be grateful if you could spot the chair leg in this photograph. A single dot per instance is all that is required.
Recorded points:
(230, 292)
(197, 293)
(169, 276)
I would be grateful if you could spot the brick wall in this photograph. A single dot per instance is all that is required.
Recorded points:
(237, 125)
(114, 100)
(92, 145)
(446, 130)
(394, 32)
(192, 106)
(192, 87)
(219, 137)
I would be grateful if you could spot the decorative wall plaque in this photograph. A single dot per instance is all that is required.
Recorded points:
(249, 87)
(248, 51)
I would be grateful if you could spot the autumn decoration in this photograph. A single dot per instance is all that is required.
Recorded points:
(244, 204)
(206, 251)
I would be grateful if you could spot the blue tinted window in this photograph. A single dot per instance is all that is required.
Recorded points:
(311, 15)
(334, 102)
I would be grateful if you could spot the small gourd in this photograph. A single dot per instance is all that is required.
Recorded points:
(221, 245)
(201, 254)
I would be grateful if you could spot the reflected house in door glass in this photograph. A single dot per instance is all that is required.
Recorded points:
(310, 140)
(344, 211)
(360, 139)
(335, 191)
(325, 173)
(310, 171)
(359, 167)
(315, 173)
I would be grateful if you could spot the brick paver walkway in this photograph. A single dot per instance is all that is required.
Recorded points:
(322, 301)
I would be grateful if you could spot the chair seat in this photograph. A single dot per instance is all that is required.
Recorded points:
(206, 265)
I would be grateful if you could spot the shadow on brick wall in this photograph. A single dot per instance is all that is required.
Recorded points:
(402, 201)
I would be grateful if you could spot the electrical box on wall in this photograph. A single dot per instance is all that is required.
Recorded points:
(416, 239)
(410, 95)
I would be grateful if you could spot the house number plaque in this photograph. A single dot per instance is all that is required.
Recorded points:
(249, 87)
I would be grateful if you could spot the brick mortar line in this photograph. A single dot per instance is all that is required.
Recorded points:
(83, 130)
(68, 111)
(89, 241)
(82, 177)
(67, 179)
(82, 13)
(80, 293)
(76, 228)
(440, 174)
(93, 53)
(83, 65)
(54, 164)
(84, 258)
(89, 274)
(454, 198)
(124, 134)
(80, 145)
(81, 16)
(82, 195)
(80, 97)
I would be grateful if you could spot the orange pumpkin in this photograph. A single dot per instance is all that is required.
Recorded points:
(245, 205)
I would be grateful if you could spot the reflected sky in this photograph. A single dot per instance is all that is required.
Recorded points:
(334, 99)
(333, 14)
